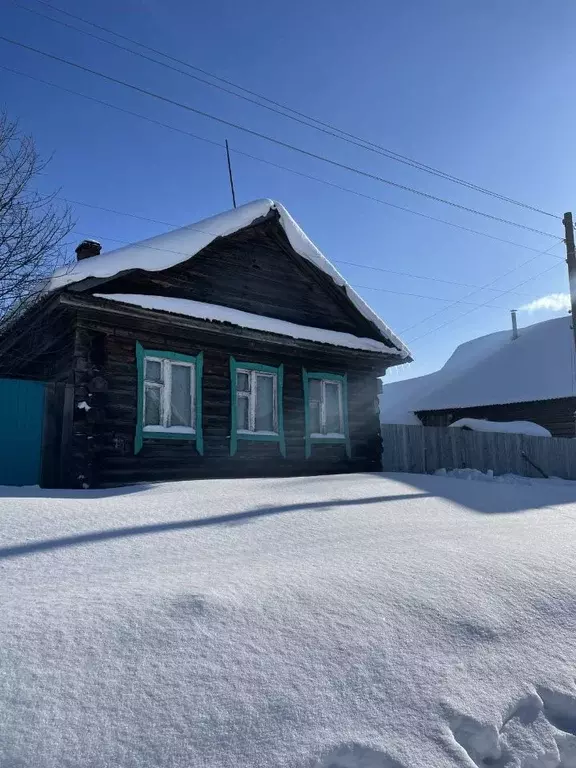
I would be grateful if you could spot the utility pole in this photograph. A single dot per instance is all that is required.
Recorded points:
(571, 261)
(230, 174)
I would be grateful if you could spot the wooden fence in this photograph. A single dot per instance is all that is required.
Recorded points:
(426, 449)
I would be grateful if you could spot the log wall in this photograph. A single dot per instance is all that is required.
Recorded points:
(102, 447)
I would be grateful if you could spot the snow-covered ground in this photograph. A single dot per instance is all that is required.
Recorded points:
(367, 621)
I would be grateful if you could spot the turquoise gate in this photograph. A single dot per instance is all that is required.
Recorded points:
(21, 425)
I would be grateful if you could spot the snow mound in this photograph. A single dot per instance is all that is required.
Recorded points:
(512, 427)
(352, 621)
(489, 477)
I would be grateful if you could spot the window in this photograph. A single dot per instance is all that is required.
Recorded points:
(256, 403)
(326, 416)
(169, 396)
(326, 409)
(256, 399)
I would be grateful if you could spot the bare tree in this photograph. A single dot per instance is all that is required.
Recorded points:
(32, 227)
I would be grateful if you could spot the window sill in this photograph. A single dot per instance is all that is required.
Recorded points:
(262, 436)
(170, 430)
(170, 434)
(331, 436)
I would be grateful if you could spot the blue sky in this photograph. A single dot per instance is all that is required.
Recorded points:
(479, 89)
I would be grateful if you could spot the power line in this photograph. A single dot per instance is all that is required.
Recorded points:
(419, 277)
(287, 112)
(354, 285)
(273, 140)
(448, 322)
(311, 177)
(340, 261)
(488, 285)
(423, 296)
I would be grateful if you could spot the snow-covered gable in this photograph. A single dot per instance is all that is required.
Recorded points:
(167, 250)
(491, 370)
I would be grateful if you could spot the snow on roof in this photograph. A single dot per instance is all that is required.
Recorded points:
(171, 248)
(491, 370)
(511, 427)
(218, 313)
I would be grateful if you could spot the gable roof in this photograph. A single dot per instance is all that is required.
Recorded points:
(167, 250)
(491, 370)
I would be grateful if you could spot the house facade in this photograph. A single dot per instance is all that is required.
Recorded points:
(525, 375)
(228, 348)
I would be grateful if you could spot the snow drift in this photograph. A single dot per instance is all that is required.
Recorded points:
(346, 622)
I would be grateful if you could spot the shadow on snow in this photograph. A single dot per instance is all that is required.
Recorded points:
(18, 550)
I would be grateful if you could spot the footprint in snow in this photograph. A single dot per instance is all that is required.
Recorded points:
(356, 756)
(539, 732)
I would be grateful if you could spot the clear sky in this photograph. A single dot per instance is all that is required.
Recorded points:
(482, 89)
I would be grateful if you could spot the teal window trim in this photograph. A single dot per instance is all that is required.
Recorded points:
(308, 439)
(141, 434)
(256, 436)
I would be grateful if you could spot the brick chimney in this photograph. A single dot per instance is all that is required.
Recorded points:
(88, 248)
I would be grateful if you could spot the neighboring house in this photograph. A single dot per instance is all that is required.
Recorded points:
(498, 378)
(231, 347)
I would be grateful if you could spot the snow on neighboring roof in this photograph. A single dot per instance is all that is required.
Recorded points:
(171, 248)
(491, 370)
(220, 314)
(395, 402)
(512, 427)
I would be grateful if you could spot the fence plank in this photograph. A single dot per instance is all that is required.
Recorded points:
(426, 449)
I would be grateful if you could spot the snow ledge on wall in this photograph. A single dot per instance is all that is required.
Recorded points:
(221, 314)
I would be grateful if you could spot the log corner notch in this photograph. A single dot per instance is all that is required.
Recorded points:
(89, 406)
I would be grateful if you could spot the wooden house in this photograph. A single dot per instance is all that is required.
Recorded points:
(231, 347)
(525, 375)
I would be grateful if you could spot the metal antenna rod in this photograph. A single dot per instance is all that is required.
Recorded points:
(230, 174)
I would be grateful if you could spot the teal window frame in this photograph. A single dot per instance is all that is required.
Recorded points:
(142, 434)
(327, 439)
(235, 435)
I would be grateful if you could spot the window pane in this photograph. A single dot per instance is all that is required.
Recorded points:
(314, 417)
(152, 406)
(265, 403)
(332, 406)
(315, 390)
(180, 403)
(153, 370)
(242, 413)
(243, 382)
